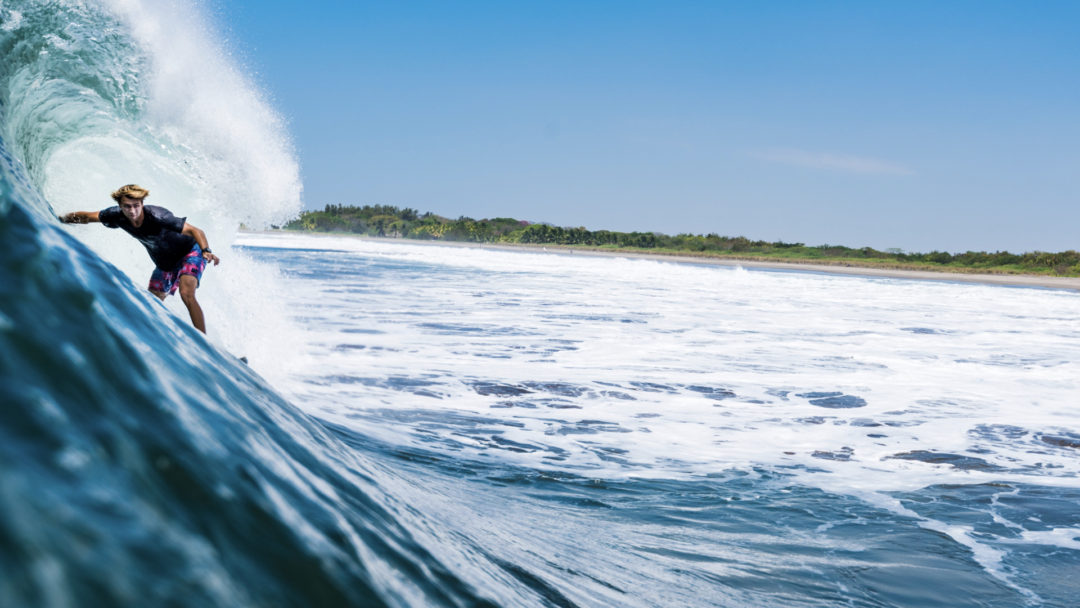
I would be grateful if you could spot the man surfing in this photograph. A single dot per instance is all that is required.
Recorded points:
(179, 250)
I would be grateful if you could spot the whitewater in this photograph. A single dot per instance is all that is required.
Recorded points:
(424, 425)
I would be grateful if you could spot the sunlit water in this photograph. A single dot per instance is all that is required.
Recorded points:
(922, 432)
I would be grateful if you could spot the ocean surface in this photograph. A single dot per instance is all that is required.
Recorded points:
(451, 426)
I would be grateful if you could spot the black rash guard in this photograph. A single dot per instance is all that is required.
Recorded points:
(161, 233)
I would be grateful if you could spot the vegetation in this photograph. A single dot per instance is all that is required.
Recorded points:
(389, 221)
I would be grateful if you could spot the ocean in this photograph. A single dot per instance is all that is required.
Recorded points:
(423, 425)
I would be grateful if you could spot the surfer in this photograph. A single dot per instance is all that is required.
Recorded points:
(179, 250)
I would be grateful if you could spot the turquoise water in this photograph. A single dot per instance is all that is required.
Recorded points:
(426, 426)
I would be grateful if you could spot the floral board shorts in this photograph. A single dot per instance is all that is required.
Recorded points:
(166, 280)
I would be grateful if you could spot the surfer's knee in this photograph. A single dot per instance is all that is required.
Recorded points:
(188, 284)
(160, 294)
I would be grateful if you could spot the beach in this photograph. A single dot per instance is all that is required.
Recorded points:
(1006, 280)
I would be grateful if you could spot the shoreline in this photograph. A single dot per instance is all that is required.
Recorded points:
(1005, 280)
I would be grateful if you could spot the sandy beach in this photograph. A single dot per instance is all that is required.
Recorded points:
(1010, 280)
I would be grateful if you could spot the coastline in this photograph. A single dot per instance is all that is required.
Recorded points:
(1005, 280)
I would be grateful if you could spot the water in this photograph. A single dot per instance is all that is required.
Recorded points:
(722, 436)
(426, 426)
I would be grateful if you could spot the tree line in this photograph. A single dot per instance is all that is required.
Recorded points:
(390, 221)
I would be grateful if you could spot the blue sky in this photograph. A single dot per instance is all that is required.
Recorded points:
(918, 125)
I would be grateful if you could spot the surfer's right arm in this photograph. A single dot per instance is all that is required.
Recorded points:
(80, 217)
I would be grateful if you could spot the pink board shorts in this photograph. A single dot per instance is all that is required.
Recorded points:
(166, 281)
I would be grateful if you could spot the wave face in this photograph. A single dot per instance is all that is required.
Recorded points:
(139, 464)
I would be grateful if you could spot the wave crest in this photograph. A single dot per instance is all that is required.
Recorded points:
(98, 94)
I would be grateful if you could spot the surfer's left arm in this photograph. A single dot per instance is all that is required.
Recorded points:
(200, 240)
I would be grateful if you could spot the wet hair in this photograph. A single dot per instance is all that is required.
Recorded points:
(131, 191)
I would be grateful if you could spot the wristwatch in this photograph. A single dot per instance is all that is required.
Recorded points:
(207, 250)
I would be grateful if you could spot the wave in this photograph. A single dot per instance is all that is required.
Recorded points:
(139, 463)
(142, 464)
(94, 93)
(99, 94)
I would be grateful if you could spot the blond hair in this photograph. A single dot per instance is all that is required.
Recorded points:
(131, 191)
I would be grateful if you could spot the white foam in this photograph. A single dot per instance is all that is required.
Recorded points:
(1056, 537)
(976, 375)
(998, 356)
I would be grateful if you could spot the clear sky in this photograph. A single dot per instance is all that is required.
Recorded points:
(910, 124)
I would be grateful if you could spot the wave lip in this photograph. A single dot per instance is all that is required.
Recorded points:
(99, 93)
(95, 94)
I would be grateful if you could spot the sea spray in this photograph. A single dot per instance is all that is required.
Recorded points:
(100, 94)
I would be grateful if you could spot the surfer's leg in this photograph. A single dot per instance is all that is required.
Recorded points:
(160, 294)
(188, 284)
